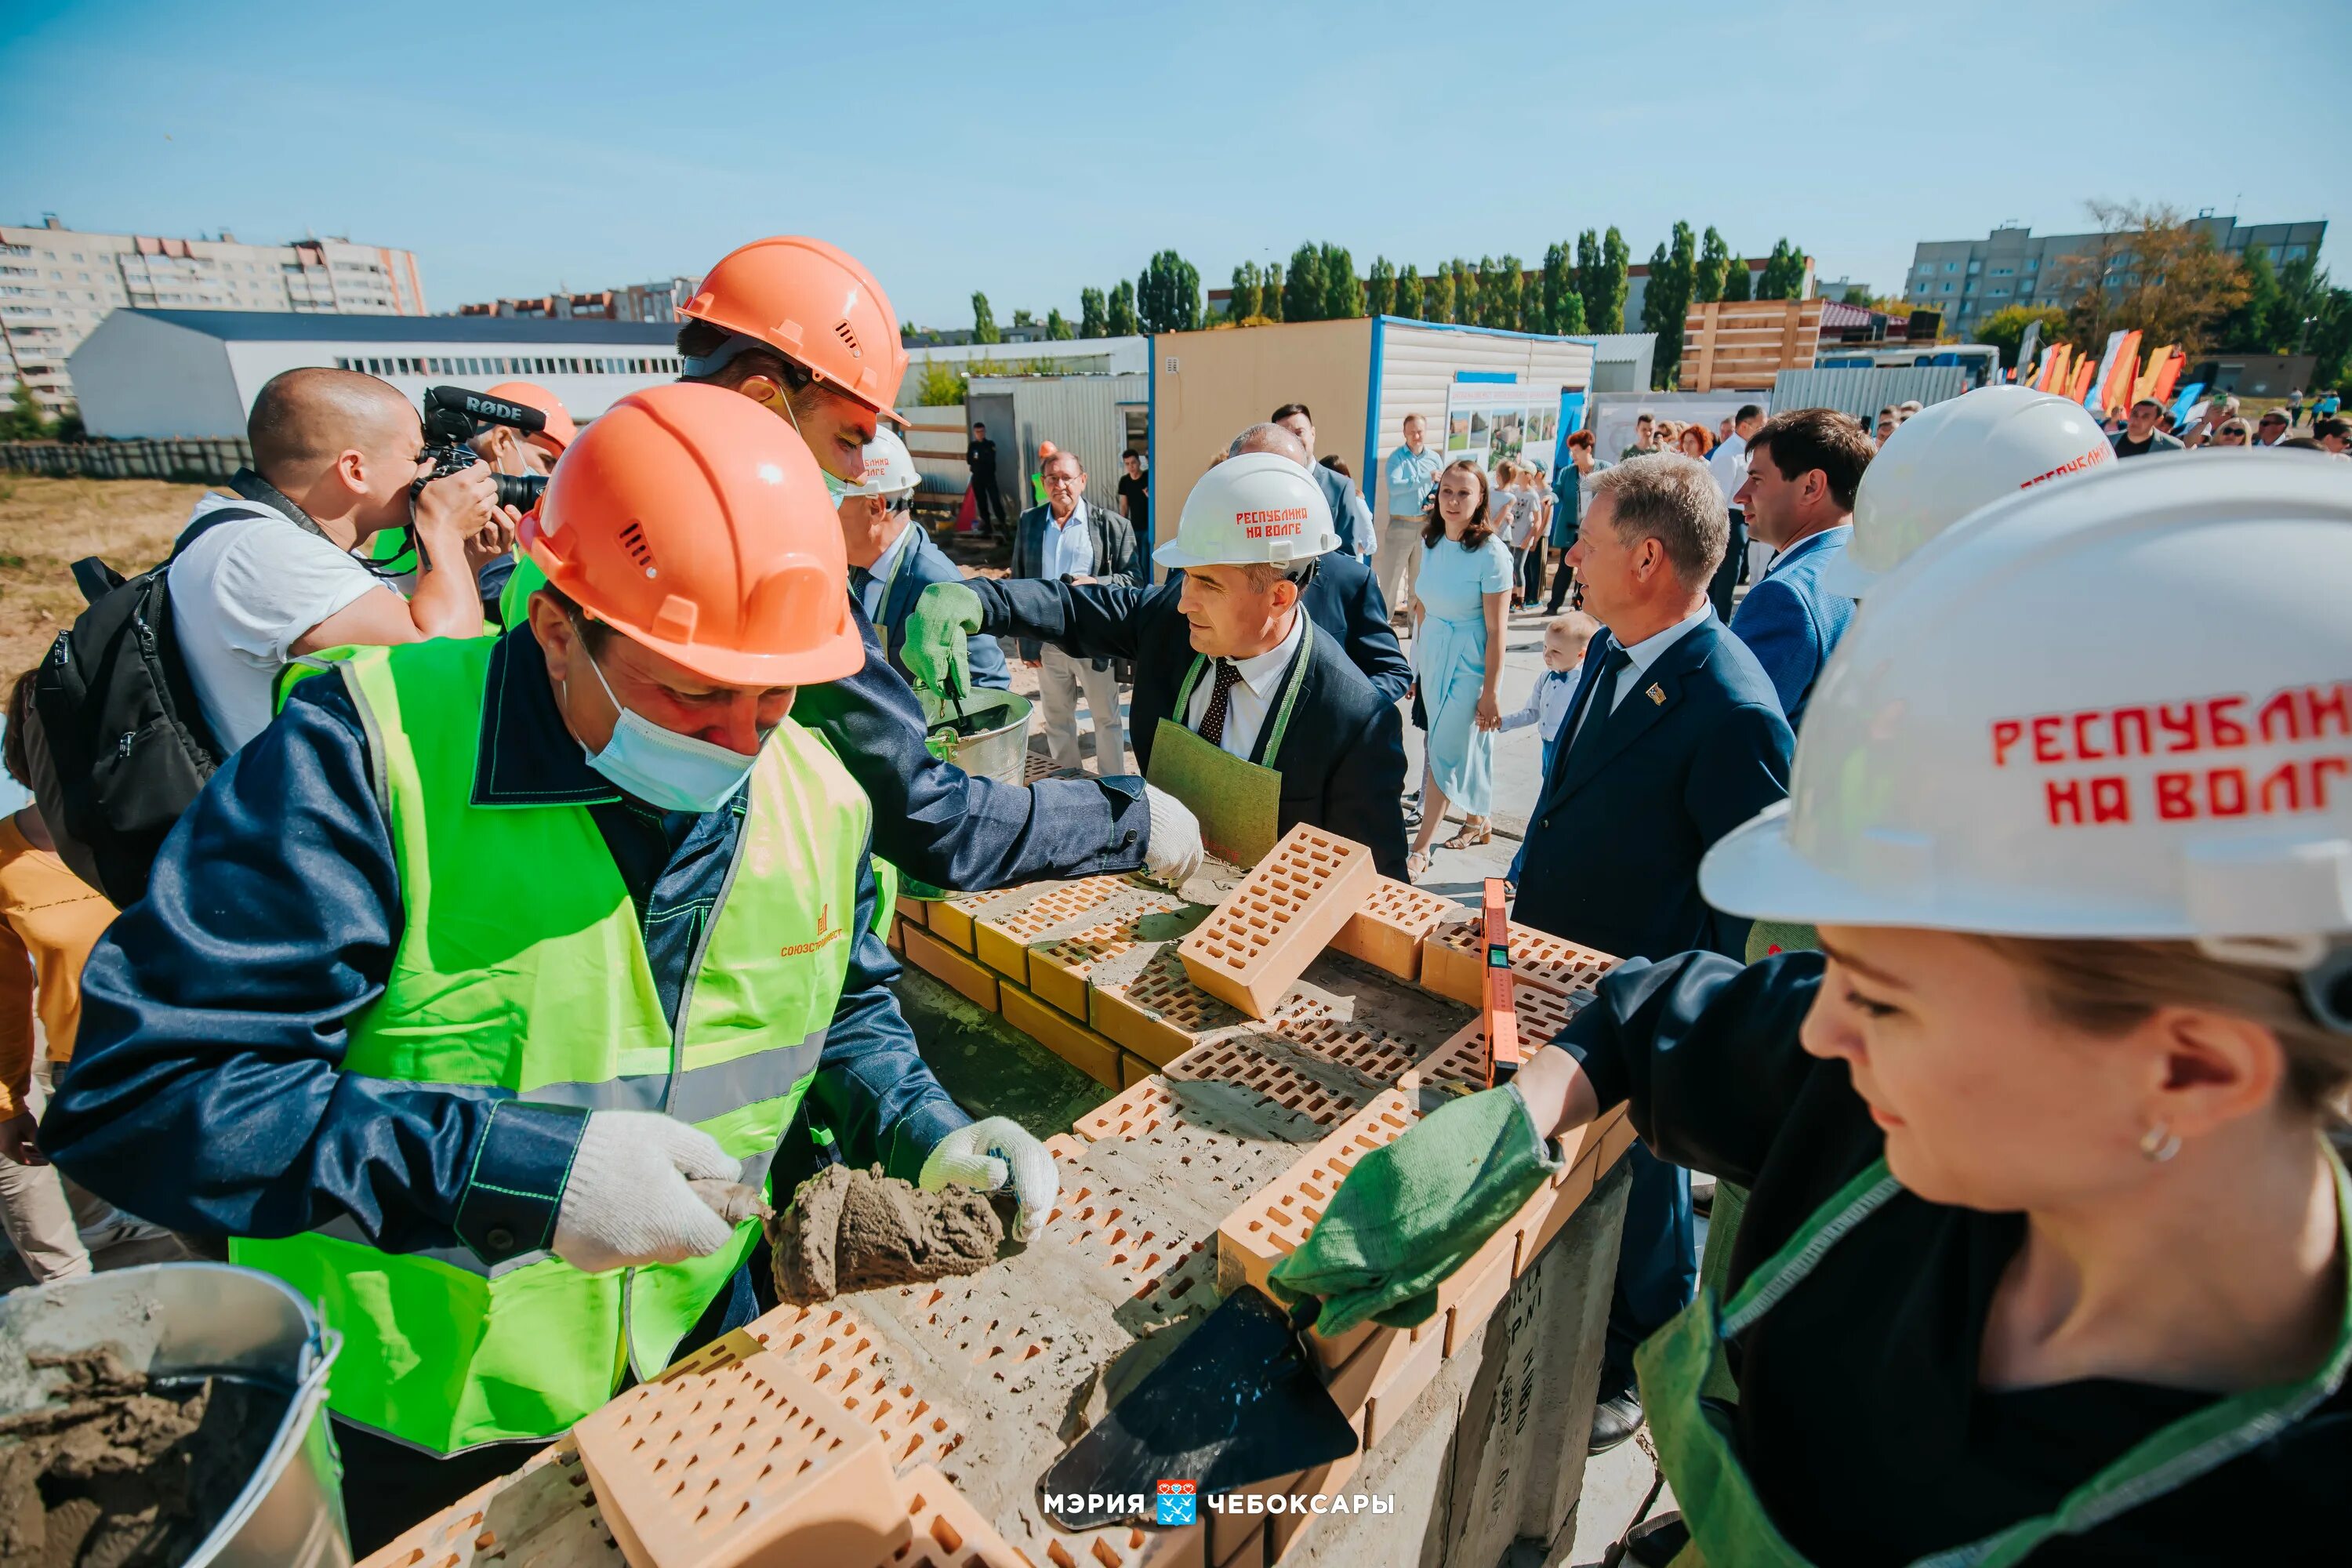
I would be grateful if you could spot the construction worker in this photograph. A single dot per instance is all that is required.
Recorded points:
(892, 560)
(803, 330)
(2045, 1237)
(1241, 699)
(453, 980)
(508, 451)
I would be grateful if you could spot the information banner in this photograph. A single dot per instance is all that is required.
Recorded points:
(1494, 414)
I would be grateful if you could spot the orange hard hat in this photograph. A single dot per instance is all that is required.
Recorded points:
(559, 432)
(815, 304)
(694, 521)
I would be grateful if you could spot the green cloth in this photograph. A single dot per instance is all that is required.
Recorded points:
(939, 631)
(1413, 1211)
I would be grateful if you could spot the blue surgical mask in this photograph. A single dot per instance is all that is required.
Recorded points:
(667, 771)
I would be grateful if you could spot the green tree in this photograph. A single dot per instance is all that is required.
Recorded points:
(1559, 287)
(2252, 327)
(1715, 260)
(1093, 321)
(1242, 304)
(1437, 295)
(1023, 319)
(984, 322)
(1343, 291)
(1168, 295)
(1408, 292)
(1736, 282)
(1600, 272)
(1270, 292)
(1120, 321)
(1784, 272)
(1302, 293)
(2303, 298)
(22, 420)
(1570, 320)
(1057, 327)
(2331, 336)
(1501, 291)
(1465, 291)
(2149, 270)
(2005, 329)
(942, 384)
(1380, 288)
(1666, 301)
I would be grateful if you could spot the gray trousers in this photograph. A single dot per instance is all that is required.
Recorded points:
(1061, 681)
(43, 1213)
(1398, 563)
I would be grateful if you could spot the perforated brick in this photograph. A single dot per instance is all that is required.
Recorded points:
(966, 976)
(1453, 960)
(949, 1532)
(1542, 1013)
(1360, 1046)
(1002, 935)
(544, 1515)
(1076, 1044)
(1035, 766)
(1156, 1012)
(749, 1464)
(1387, 931)
(842, 1355)
(1238, 1061)
(1059, 968)
(1263, 1230)
(1120, 1546)
(1268, 930)
(1105, 1227)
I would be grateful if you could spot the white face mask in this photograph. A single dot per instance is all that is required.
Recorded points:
(667, 771)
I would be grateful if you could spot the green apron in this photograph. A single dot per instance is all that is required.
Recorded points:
(1238, 802)
(1729, 1527)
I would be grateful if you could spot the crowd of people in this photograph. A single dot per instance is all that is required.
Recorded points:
(545, 869)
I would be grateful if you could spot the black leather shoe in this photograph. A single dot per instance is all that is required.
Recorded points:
(1614, 1420)
(1659, 1541)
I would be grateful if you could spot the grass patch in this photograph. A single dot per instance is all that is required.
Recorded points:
(47, 524)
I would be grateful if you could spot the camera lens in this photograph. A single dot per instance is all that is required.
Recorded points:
(521, 492)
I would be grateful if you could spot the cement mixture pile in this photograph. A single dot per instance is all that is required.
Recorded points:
(118, 1472)
(856, 1230)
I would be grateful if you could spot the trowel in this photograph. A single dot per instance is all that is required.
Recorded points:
(1238, 1403)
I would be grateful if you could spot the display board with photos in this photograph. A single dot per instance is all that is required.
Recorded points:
(1493, 414)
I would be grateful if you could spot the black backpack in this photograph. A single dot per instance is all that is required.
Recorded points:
(126, 739)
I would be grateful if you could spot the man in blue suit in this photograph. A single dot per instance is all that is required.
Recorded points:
(892, 560)
(1674, 737)
(1349, 515)
(1803, 469)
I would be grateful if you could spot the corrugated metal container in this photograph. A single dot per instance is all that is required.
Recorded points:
(1416, 364)
(1088, 415)
(1863, 393)
(1622, 362)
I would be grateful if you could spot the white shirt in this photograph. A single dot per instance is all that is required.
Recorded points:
(242, 596)
(1729, 466)
(1252, 696)
(1067, 549)
(1643, 654)
(878, 574)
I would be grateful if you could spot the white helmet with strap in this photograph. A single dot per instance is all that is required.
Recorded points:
(2118, 707)
(1258, 507)
(889, 467)
(1946, 460)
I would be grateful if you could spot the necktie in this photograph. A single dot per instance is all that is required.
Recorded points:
(1597, 705)
(1212, 722)
(860, 579)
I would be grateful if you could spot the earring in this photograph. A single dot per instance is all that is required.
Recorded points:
(2159, 1143)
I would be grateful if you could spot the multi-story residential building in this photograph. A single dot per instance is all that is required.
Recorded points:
(57, 283)
(657, 301)
(1970, 280)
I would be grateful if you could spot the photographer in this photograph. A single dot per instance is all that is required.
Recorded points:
(335, 462)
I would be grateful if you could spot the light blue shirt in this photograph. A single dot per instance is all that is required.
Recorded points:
(1412, 476)
(877, 576)
(1069, 548)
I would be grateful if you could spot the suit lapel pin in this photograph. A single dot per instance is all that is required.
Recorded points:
(1656, 694)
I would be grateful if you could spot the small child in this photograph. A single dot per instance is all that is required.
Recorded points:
(1566, 637)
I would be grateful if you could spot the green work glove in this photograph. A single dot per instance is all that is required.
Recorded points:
(1413, 1211)
(938, 629)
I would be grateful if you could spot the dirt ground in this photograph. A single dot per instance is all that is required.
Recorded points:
(47, 525)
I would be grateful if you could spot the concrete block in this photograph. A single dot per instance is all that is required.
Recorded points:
(1266, 933)
(1265, 1230)
(1152, 1007)
(947, 1531)
(749, 1464)
(1387, 931)
(1002, 935)
(1072, 1041)
(975, 983)
(1453, 960)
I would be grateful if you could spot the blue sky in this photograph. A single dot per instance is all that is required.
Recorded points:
(1030, 149)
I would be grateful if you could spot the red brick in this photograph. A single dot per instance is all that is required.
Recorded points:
(1159, 1014)
(928, 953)
(1060, 966)
(1234, 1060)
(1453, 962)
(1002, 935)
(1387, 931)
(1265, 1230)
(949, 1532)
(1268, 930)
(841, 1353)
(1401, 1383)
(1076, 1044)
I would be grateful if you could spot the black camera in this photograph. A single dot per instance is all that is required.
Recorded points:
(455, 416)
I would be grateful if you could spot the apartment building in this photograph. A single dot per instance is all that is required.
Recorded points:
(57, 283)
(659, 301)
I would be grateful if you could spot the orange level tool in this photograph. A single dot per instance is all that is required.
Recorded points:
(1499, 1006)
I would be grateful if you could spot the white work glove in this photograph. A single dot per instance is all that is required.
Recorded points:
(990, 1155)
(1172, 849)
(626, 1202)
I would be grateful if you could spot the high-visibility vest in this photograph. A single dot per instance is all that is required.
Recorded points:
(522, 968)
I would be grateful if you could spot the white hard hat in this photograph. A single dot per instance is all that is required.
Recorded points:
(2118, 708)
(1258, 507)
(1946, 460)
(889, 467)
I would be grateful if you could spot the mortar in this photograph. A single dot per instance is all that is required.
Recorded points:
(177, 1320)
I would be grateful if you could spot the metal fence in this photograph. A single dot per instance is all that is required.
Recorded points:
(1863, 393)
(201, 462)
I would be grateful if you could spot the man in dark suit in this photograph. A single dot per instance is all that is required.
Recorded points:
(1257, 677)
(1066, 541)
(892, 560)
(1675, 737)
(988, 501)
(1349, 515)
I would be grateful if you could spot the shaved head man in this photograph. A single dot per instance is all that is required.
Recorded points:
(1274, 438)
(271, 574)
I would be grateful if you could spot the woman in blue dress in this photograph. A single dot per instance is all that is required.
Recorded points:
(1457, 656)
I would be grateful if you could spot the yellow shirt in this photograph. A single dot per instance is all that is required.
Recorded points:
(49, 920)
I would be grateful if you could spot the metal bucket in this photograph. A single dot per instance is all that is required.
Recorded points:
(190, 1318)
(999, 751)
